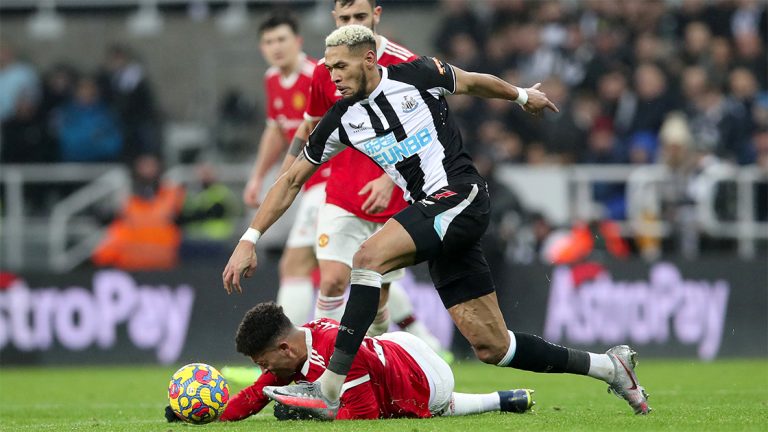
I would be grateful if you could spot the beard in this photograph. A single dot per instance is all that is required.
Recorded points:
(360, 93)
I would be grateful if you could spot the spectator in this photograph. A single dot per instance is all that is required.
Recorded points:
(760, 144)
(86, 128)
(210, 214)
(127, 90)
(459, 18)
(19, 83)
(617, 99)
(697, 43)
(144, 236)
(604, 148)
(653, 102)
(750, 53)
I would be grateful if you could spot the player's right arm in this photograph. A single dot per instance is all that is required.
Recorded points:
(250, 400)
(324, 143)
(270, 148)
(280, 196)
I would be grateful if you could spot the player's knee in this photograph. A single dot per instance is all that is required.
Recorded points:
(367, 258)
(333, 284)
(489, 353)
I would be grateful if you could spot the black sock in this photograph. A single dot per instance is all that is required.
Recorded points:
(537, 355)
(361, 309)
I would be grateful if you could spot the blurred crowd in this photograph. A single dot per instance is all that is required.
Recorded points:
(676, 86)
(679, 87)
(69, 115)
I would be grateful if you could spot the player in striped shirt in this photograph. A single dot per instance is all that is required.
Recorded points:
(410, 133)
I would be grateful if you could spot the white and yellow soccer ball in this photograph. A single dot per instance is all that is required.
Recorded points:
(198, 393)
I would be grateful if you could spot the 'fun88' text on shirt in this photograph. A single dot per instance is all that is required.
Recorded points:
(404, 127)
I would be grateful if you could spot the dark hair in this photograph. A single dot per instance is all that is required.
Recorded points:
(345, 3)
(277, 19)
(261, 326)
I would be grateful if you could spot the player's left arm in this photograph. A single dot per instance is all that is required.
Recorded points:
(488, 86)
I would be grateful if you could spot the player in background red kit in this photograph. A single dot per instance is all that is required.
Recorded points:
(287, 84)
(359, 196)
(394, 375)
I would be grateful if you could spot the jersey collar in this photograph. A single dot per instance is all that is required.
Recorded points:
(308, 339)
(290, 80)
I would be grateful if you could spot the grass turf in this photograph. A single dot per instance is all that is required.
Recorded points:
(725, 395)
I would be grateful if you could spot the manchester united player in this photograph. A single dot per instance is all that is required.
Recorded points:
(394, 375)
(359, 196)
(287, 84)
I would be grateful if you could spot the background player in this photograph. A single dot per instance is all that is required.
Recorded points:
(421, 149)
(394, 375)
(359, 196)
(287, 84)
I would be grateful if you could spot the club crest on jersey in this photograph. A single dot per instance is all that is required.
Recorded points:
(409, 104)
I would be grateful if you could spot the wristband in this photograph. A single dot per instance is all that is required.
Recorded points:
(522, 96)
(251, 235)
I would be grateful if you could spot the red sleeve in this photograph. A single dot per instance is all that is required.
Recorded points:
(250, 400)
(359, 403)
(319, 101)
(271, 114)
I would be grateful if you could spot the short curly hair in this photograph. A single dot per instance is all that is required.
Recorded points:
(260, 328)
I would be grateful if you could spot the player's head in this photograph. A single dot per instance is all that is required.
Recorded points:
(263, 335)
(280, 41)
(350, 54)
(362, 12)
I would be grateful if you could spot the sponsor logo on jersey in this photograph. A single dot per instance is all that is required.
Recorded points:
(409, 104)
(385, 150)
(322, 240)
(356, 126)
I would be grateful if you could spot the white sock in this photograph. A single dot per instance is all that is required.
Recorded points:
(330, 384)
(465, 404)
(601, 367)
(380, 324)
(400, 306)
(511, 350)
(330, 307)
(295, 296)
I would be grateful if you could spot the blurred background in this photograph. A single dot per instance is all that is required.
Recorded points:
(637, 214)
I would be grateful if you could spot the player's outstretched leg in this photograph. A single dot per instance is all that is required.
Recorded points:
(514, 401)
(480, 321)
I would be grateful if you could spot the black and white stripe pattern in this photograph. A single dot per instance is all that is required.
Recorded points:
(404, 126)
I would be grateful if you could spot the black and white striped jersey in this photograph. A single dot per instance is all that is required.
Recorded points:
(404, 126)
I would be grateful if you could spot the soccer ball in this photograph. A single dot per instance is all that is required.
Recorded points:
(198, 393)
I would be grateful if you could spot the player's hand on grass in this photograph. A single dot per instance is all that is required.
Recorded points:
(251, 193)
(170, 416)
(538, 101)
(241, 264)
(380, 191)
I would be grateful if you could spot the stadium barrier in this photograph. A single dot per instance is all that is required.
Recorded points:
(704, 309)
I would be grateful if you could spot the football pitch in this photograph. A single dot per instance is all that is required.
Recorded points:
(686, 395)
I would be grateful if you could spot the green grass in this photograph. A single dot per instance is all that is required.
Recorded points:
(685, 395)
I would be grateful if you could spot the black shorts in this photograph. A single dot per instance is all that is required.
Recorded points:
(446, 228)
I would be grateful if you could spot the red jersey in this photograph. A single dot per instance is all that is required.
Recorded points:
(350, 169)
(384, 382)
(287, 100)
